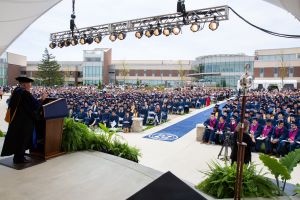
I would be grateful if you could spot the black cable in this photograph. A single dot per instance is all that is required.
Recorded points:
(72, 21)
(73, 7)
(265, 30)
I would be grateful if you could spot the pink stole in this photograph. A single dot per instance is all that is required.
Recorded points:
(266, 131)
(292, 134)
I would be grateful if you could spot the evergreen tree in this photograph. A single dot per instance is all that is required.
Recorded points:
(48, 70)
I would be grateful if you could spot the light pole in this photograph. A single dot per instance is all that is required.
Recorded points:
(245, 83)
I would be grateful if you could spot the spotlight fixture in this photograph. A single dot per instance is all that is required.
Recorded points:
(195, 26)
(98, 38)
(74, 41)
(149, 33)
(61, 44)
(113, 37)
(52, 45)
(89, 40)
(82, 40)
(67, 42)
(121, 35)
(214, 24)
(139, 34)
(176, 29)
(167, 31)
(157, 31)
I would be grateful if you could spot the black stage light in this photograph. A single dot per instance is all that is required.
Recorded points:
(98, 38)
(149, 32)
(52, 45)
(157, 31)
(61, 44)
(176, 29)
(74, 41)
(139, 34)
(121, 35)
(89, 40)
(214, 24)
(113, 37)
(67, 42)
(82, 40)
(167, 31)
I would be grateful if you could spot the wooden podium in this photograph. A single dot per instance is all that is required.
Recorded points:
(49, 128)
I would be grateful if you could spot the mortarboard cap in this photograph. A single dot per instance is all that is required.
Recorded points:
(23, 79)
(233, 117)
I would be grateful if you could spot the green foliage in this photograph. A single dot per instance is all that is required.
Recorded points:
(1, 134)
(282, 168)
(138, 82)
(48, 70)
(291, 160)
(77, 136)
(100, 85)
(275, 167)
(221, 180)
(297, 188)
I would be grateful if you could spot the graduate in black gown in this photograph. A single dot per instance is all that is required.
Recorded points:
(23, 111)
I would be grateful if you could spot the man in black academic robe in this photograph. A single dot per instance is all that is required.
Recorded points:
(247, 138)
(21, 127)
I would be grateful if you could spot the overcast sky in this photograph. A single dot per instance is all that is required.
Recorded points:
(232, 36)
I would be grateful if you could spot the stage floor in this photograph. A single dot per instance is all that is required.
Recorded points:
(81, 175)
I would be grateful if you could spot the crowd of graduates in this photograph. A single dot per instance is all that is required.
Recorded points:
(117, 107)
(273, 118)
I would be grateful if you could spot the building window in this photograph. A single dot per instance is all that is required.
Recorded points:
(298, 56)
(92, 59)
(145, 72)
(275, 72)
(153, 73)
(261, 72)
(291, 71)
(23, 73)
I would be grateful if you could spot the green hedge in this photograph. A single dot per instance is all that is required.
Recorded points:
(77, 137)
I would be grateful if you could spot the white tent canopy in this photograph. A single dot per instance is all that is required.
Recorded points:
(17, 15)
(292, 6)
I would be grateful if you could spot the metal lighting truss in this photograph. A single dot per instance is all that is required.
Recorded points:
(201, 16)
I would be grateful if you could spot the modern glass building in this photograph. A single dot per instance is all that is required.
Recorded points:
(223, 70)
(3, 69)
(95, 67)
(92, 66)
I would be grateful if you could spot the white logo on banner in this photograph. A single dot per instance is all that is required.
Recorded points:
(163, 136)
